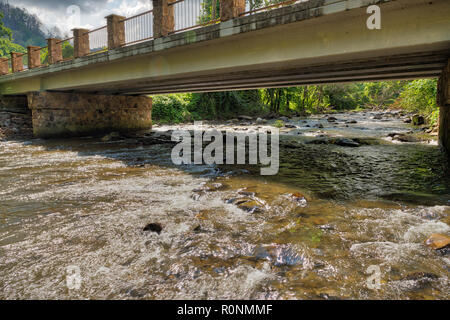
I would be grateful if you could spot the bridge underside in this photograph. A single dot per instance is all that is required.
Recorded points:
(316, 42)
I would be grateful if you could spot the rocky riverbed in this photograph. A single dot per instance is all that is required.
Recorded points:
(354, 190)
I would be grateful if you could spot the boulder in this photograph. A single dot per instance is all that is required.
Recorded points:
(331, 119)
(154, 227)
(418, 120)
(260, 121)
(343, 142)
(437, 241)
(245, 118)
(113, 136)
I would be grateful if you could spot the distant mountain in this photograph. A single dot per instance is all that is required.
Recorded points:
(26, 27)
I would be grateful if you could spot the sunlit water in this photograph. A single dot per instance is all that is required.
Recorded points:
(85, 203)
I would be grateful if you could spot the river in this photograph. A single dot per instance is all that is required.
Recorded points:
(310, 232)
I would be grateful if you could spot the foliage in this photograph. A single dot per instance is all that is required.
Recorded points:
(26, 29)
(170, 108)
(278, 124)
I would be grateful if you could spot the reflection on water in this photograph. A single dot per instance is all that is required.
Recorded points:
(310, 232)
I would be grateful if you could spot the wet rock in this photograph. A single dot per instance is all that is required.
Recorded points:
(290, 126)
(421, 275)
(318, 125)
(351, 122)
(245, 118)
(260, 121)
(343, 142)
(113, 136)
(331, 119)
(408, 120)
(377, 117)
(438, 241)
(418, 120)
(299, 199)
(405, 138)
(154, 227)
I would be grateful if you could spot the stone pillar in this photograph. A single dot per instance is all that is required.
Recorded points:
(231, 9)
(16, 61)
(34, 57)
(4, 66)
(116, 31)
(54, 50)
(163, 18)
(15, 117)
(444, 108)
(57, 114)
(81, 46)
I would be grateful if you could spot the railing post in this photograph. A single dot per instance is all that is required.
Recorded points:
(4, 66)
(34, 57)
(116, 31)
(231, 9)
(80, 43)
(163, 18)
(16, 61)
(54, 50)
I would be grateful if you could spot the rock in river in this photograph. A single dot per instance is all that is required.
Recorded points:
(154, 227)
(437, 241)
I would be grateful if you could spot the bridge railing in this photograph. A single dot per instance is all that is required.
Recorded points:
(66, 48)
(98, 39)
(139, 28)
(167, 17)
(190, 14)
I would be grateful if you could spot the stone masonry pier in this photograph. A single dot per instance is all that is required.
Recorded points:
(57, 114)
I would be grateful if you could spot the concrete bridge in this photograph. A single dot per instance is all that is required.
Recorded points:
(296, 43)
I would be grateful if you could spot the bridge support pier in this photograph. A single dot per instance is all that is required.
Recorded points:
(57, 114)
(444, 112)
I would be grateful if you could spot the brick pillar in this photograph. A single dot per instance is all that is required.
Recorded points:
(444, 108)
(231, 9)
(4, 66)
(54, 50)
(116, 31)
(80, 43)
(163, 18)
(16, 61)
(34, 57)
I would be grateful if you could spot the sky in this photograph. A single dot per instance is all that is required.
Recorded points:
(89, 14)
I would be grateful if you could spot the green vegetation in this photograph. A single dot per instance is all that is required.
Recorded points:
(6, 41)
(418, 96)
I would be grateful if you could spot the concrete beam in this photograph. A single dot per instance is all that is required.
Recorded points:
(72, 114)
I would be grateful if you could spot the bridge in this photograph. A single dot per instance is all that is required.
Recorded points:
(172, 48)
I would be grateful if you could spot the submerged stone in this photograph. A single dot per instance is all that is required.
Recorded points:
(438, 241)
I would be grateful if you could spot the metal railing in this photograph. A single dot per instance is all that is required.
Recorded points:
(188, 15)
(98, 39)
(25, 61)
(67, 48)
(139, 28)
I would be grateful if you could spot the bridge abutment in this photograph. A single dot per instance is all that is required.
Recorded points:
(56, 114)
(444, 105)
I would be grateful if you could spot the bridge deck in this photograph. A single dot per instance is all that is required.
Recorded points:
(320, 41)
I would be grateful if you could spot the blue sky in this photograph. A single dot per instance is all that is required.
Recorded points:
(69, 14)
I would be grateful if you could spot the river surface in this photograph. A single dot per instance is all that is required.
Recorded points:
(310, 232)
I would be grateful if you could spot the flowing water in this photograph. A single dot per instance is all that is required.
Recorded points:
(311, 232)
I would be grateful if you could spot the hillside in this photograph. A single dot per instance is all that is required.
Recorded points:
(27, 28)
